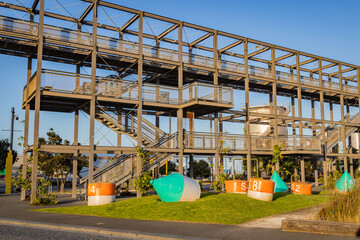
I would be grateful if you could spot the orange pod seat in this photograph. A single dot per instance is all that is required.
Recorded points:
(261, 189)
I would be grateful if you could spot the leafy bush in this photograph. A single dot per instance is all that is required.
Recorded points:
(42, 195)
(142, 184)
(219, 185)
(331, 179)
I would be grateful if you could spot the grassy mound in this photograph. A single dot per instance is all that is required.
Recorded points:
(224, 208)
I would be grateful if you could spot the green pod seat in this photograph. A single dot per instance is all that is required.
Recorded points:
(176, 187)
(346, 183)
(280, 185)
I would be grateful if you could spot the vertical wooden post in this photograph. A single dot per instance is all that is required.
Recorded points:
(302, 165)
(343, 127)
(247, 117)
(216, 120)
(322, 111)
(37, 101)
(26, 127)
(139, 110)
(93, 94)
(76, 154)
(274, 105)
(299, 94)
(180, 112)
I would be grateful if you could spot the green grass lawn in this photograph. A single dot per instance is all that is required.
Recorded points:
(224, 208)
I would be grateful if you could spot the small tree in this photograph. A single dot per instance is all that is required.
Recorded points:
(43, 197)
(201, 169)
(142, 183)
(55, 164)
(223, 151)
(219, 185)
(277, 156)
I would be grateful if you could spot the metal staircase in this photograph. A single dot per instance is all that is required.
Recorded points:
(334, 136)
(121, 168)
(107, 116)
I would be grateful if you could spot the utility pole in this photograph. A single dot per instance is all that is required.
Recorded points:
(12, 128)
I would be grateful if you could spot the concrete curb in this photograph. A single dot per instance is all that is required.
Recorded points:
(104, 231)
(322, 227)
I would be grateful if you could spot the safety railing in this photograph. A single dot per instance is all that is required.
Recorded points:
(350, 89)
(260, 72)
(331, 85)
(298, 143)
(203, 140)
(198, 60)
(199, 140)
(59, 81)
(286, 77)
(117, 44)
(231, 66)
(261, 143)
(19, 26)
(160, 93)
(207, 92)
(309, 81)
(29, 88)
(69, 35)
(232, 142)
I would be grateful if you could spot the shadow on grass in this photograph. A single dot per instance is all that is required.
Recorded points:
(207, 194)
(280, 195)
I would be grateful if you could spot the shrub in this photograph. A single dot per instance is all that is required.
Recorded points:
(42, 195)
(142, 184)
(342, 207)
(219, 185)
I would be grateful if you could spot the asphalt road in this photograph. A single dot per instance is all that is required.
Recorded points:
(16, 210)
(9, 232)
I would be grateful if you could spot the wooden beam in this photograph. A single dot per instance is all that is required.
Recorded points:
(114, 6)
(284, 57)
(305, 62)
(325, 67)
(131, 21)
(206, 36)
(231, 46)
(344, 71)
(258, 52)
(35, 3)
(167, 31)
(86, 12)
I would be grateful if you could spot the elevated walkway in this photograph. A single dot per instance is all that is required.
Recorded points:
(65, 45)
(65, 92)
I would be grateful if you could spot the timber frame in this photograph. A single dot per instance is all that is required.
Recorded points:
(176, 77)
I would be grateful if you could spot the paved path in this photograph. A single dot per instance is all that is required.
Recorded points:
(10, 232)
(12, 208)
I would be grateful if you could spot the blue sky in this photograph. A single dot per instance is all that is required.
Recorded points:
(326, 28)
